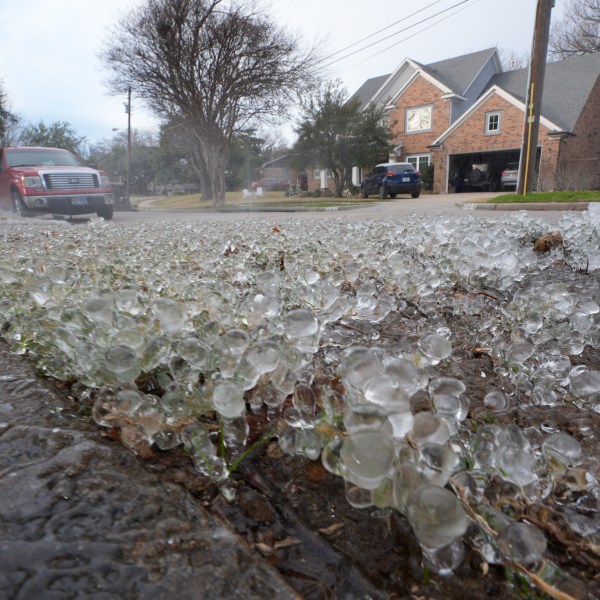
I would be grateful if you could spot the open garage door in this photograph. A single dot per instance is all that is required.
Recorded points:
(479, 171)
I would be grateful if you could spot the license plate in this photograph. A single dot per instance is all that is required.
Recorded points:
(405, 179)
(79, 201)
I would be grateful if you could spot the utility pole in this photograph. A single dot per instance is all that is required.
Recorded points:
(533, 103)
(128, 111)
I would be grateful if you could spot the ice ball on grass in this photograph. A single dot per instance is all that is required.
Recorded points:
(121, 364)
(170, 313)
(268, 283)
(405, 375)
(196, 440)
(402, 423)
(263, 355)
(519, 352)
(304, 442)
(194, 352)
(368, 457)
(369, 417)
(435, 348)
(584, 382)
(156, 352)
(447, 394)
(428, 429)
(358, 497)
(228, 399)
(302, 328)
(495, 401)
(436, 516)
(563, 447)
(436, 463)
(359, 365)
(383, 392)
(522, 543)
(98, 308)
(515, 460)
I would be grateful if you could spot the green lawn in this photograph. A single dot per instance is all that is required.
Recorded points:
(568, 196)
(234, 200)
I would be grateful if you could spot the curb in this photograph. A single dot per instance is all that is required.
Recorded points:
(516, 206)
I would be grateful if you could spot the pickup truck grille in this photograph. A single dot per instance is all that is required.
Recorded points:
(71, 181)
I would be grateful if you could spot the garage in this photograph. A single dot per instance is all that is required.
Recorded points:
(479, 171)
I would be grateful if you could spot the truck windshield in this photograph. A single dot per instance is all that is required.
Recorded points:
(41, 157)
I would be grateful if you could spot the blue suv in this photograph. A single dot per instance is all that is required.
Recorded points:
(391, 179)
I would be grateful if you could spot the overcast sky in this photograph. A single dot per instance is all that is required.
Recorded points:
(49, 49)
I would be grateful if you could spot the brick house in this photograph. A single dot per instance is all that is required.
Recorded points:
(464, 111)
(281, 169)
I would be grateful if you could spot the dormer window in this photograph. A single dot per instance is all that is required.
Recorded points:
(492, 123)
(418, 119)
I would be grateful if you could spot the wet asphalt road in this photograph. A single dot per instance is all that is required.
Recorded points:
(435, 205)
(442, 204)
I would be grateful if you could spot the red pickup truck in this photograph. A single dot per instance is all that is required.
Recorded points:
(35, 180)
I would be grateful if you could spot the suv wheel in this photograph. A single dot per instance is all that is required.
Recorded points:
(382, 192)
(20, 207)
(363, 193)
(415, 194)
(106, 212)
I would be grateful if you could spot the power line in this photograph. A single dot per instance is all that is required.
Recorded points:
(410, 36)
(393, 35)
(383, 29)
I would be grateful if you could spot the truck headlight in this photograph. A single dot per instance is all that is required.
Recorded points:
(104, 181)
(33, 181)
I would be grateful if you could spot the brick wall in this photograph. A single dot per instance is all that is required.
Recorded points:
(419, 93)
(579, 156)
(470, 136)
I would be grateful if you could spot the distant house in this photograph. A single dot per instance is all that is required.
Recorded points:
(176, 189)
(280, 169)
(465, 110)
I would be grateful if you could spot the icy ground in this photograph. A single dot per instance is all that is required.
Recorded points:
(354, 340)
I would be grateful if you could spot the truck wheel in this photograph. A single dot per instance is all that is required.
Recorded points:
(106, 212)
(20, 207)
(382, 192)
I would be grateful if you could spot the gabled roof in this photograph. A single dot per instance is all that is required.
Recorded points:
(456, 74)
(520, 104)
(369, 88)
(281, 161)
(567, 87)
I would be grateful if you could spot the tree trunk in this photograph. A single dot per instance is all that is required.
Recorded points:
(199, 165)
(338, 184)
(214, 151)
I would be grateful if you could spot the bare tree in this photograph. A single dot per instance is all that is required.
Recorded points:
(579, 31)
(212, 66)
(8, 120)
(511, 61)
(59, 134)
